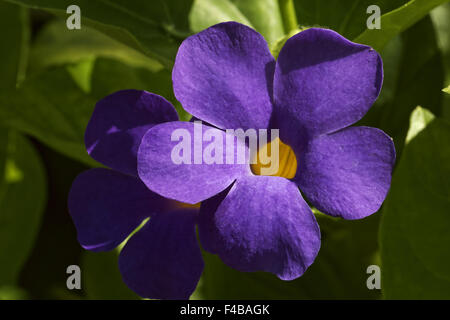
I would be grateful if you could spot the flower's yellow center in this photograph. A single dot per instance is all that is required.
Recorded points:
(184, 205)
(269, 164)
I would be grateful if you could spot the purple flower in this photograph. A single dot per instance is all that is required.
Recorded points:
(163, 259)
(320, 84)
(227, 77)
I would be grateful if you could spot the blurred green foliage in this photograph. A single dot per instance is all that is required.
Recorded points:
(414, 232)
(22, 200)
(414, 75)
(154, 28)
(51, 78)
(22, 177)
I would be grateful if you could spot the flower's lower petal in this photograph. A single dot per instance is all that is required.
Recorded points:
(347, 173)
(263, 224)
(207, 229)
(224, 75)
(119, 122)
(187, 181)
(323, 82)
(106, 206)
(163, 259)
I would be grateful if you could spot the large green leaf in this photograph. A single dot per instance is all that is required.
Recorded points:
(414, 75)
(152, 27)
(56, 45)
(263, 15)
(346, 17)
(349, 17)
(339, 271)
(206, 13)
(22, 200)
(52, 107)
(414, 231)
(14, 33)
(395, 22)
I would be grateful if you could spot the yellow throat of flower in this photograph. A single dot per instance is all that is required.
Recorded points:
(184, 205)
(269, 164)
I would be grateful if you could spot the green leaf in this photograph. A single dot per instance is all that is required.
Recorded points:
(349, 17)
(102, 279)
(420, 118)
(155, 29)
(346, 17)
(446, 90)
(339, 271)
(397, 21)
(414, 75)
(81, 73)
(52, 106)
(14, 32)
(265, 17)
(55, 45)
(262, 15)
(416, 220)
(206, 13)
(22, 199)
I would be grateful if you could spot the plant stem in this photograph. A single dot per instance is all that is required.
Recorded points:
(288, 14)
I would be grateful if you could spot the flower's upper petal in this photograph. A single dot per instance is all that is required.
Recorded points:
(263, 224)
(224, 75)
(106, 206)
(323, 82)
(163, 259)
(186, 182)
(119, 122)
(347, 173)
